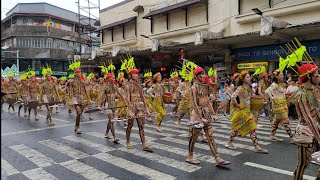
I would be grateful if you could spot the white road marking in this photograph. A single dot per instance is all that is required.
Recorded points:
(202, 146)
(277, 170)
(38, 174)
(86, 171)
(46, 128)
(56, 119)
(216, 129)
(133, 167)
(34, 156)
(99, 147)
(69, 151)
(199, 156)
(7, 168)
(163, 160)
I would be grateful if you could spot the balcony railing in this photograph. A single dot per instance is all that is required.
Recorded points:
(40, 31)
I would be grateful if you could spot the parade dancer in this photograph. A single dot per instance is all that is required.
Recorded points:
(203, 112)
(77, 93)
(148, 83)
(123, 88)
(307, 104)
(137, 107)
(23, 94)
(48, 93)
(276, 93)
(110, 91)
(184, 103)
(262, 87)
(33, 94)
(242, 119)
(156, 91)
(11, 90)
(175, 76)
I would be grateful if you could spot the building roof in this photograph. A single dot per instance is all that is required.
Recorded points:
(108, 26)
(173, 7)
(115, 5)
(45, 8)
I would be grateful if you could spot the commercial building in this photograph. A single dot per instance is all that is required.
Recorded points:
(222, 33)
(44, 34)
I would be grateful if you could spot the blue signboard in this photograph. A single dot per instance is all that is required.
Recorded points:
(270, 52)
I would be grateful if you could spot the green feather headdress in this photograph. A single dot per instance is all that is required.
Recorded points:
(71, 76)
(46, 70)
(127, 64)
(10, 74)
(23, 76)
(174, 73)
(147, 73)
(212, 72)
(30, 73)
(106, 69)
(187, 69)
(74, 65)
(120, 74)
(63, 78)
(90, 76)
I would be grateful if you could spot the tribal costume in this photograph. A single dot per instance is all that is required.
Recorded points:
(184, 104)
(203, 112)
(12, 90)
(175, 84)
(156, 91)
(307, 102)
(263, 86)
(23, 94)
(123, 88)
(148, 83)
(34, 91)
(137, 105)
(48, 93)
(276, 92)
(78, 93)
(242, 119)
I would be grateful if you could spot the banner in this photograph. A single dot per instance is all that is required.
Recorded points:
(254, 65)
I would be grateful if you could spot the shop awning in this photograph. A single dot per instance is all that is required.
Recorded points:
(173, 7)
(109, 26)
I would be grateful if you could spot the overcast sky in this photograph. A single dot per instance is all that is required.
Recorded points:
(7, 5)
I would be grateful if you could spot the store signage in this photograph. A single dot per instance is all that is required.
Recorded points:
(252, 65)
(271, 51)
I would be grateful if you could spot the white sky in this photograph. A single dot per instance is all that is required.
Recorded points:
(7, 5)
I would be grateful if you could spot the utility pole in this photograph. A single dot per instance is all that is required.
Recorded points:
(79, 26)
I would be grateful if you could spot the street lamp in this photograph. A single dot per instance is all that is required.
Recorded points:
(257, 11)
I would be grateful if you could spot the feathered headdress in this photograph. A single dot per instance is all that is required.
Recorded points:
(212, 72)
(46, 70)
(63, 78)
(298, 53)
(30, 73)
(174, 74)
(107, 69)
(23, 76)
(90, 76)
(187, 71)
(129, 65)
(10, 74)
(260, 70)
(75, 66)
(147, 73)
(71, 76)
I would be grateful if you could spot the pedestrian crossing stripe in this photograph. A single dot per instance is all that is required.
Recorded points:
(133, 167)
(86, 171)
(7, 168)
(99, 147)
(215, 134)
(34, 156)
(64, 149)
(277, 170)
(38, 173)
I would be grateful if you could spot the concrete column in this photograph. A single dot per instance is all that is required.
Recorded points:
(33, 64)
(228, 60)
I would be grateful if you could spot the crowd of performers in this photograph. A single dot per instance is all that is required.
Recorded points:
(192, 92)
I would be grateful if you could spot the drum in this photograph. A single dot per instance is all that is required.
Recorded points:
(257, 103)
(167, 97)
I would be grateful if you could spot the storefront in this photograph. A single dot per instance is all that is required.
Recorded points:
(251, 67)
(269, 54)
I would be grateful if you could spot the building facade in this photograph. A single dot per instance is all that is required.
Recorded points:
(225, 34)
(44, 35)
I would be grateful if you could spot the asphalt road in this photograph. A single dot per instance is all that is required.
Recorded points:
(34, 150)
